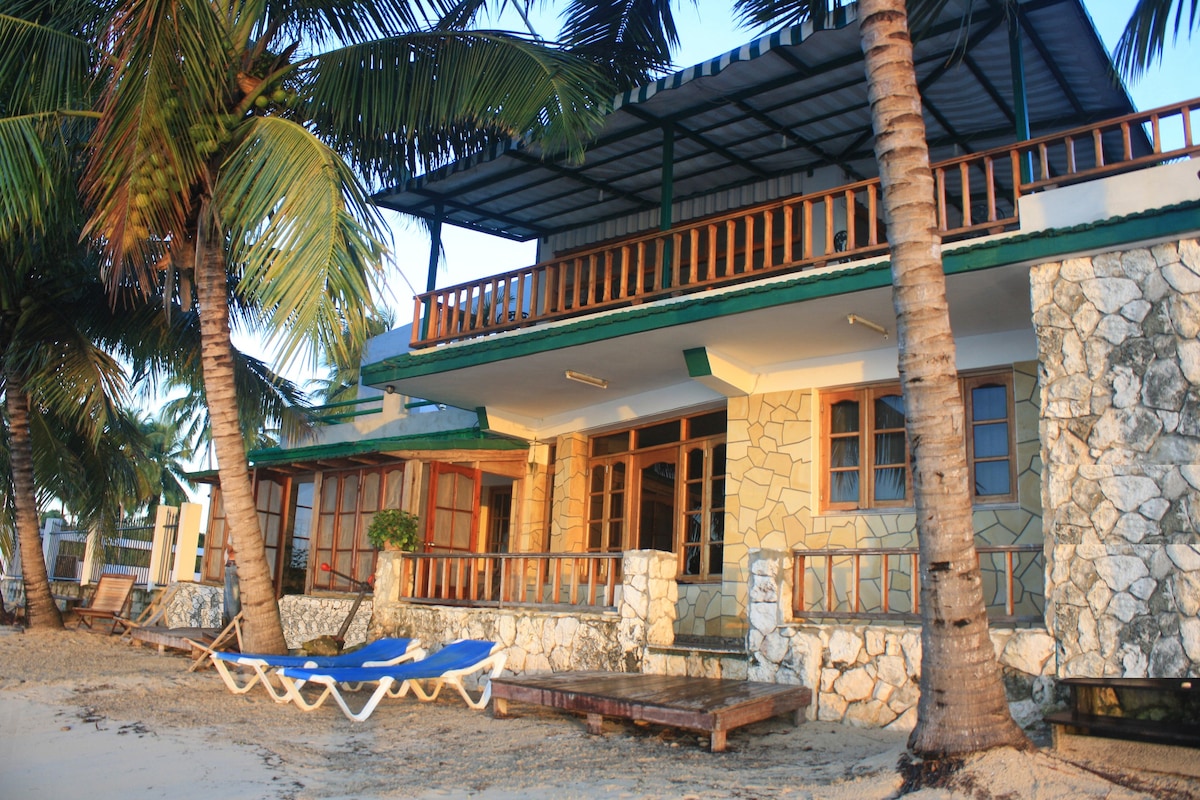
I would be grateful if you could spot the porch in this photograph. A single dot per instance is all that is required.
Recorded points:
(978, 195)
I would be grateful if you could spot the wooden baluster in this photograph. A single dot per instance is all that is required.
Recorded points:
(1098, 144)
(788, 213)
(730, 242)
(556, 587)
(964, 175)
(680, 278)
(748, 258)
(857, 576)
(694, 257)
(827, 201)
(885, 585)
(418, 312)
(829, 583)
(990, 176)
(851, 219)
(873, 213)
(711, 271)
(1127, 143)
(1069, 143)
(519, 307)
(940, 177)
(658, 269)
(1187, 126)
(768, 239)
(806, 234)
(610, 592)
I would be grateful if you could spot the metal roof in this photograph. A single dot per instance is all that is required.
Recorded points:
(787, 103)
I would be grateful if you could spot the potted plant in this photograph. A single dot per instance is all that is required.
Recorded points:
(394, 527)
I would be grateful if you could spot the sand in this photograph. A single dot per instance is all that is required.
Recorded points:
(88, 715)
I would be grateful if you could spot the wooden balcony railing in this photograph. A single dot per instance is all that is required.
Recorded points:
(883, 583)
(976, 195)
(501, 579)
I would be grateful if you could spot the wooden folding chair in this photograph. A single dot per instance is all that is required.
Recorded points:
(155, 613)
(229, 638)
(110, 599)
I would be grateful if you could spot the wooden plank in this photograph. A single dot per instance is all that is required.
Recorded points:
(708, 705)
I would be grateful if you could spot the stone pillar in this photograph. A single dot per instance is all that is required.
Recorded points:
(647, 607)
(187, 542)
(568, 517)
(1119, 343)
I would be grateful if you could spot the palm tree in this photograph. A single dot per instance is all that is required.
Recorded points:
(962, 707)
(222, 161)
(1146, 33)
(164, 462)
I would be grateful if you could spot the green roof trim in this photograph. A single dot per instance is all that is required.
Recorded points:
(697, 362)
(1021, 248)
(465, 439)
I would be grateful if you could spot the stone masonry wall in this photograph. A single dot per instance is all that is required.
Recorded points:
(540, 641)
(869, 675)
(771, 502)
(1119, 340)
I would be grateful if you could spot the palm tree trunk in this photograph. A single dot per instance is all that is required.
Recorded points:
(263, 632)
(962, 707)
(40, 608)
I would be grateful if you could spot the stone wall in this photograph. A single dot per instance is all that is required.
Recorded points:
(771, 502)
(869, 675)
(539, 640)
(1119, 339)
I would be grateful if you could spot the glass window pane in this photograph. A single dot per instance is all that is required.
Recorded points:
(598, 473)
(889, 411)
(843, 417)
(843, 487)
(989, 402)
(663, 433)
(691, 528)
(616, 505)
(991, 440)
(615, 529)
(889, 484)
(843, 453)
(613, 443)
(596, 507)
(370, 491)
(691, 561)
(618, 476)
(706, 425)
(350, 493)
(716, 531)
(718, 460)
(991, 478)
(889, 448)
(716, 554)
(695, 464)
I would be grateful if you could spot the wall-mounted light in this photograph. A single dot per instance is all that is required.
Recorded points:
(390, 389)
(855, 319)
(590, 380)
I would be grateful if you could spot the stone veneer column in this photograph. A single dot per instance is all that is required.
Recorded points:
(1119, 342)
(568, 516)
(647, 606)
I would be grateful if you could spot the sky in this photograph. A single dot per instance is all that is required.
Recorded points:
(707, 30)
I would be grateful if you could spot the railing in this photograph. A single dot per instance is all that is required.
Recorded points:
(883, 583)
(127, 551)
(331, 413)
(502, 579)
(976, 195)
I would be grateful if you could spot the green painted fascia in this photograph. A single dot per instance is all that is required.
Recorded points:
(697, 362)
(1021, 248)
(465, 439)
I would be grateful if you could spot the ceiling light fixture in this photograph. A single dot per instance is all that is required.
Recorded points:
(855, 319)
(590, 380)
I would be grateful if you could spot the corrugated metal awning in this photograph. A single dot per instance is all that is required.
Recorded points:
(788, 103)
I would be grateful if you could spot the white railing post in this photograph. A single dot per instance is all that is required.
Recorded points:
(90, 546)
(50, 539)
(187, 541)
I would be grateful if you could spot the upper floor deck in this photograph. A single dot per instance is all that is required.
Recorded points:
(977, 195)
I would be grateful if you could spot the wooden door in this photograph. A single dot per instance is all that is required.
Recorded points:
(453, 510)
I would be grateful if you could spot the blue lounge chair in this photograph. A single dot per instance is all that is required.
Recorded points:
(378, 653)
(426, 677)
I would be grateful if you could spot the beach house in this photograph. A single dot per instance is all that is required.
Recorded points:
(676, 442)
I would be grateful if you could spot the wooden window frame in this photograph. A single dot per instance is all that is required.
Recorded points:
(865, 396)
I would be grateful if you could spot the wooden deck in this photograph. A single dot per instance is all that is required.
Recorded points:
(708, 705)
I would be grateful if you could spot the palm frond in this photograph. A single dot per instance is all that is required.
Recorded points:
(631, 40)
(415, 101)
(1145, 35)
(304, 234)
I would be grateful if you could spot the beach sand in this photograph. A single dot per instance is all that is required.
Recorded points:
(88, 715)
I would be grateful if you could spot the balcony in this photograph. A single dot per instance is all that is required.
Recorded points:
(977, 196)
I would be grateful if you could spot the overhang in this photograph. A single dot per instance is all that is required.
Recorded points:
(788, 103)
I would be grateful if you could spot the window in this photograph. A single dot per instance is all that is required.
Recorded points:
(662, 486)
(864, 451)
(348, 502)
(864, 448)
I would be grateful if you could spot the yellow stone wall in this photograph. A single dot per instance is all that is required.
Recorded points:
(771, 499)
(568, 518)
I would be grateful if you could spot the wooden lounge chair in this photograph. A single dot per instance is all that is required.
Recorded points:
(110, 599)
(230, 638)
(241, 671)
(155, 613)
(426, 677)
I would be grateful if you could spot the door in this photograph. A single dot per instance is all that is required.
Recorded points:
(453, 512)
(656, 473)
